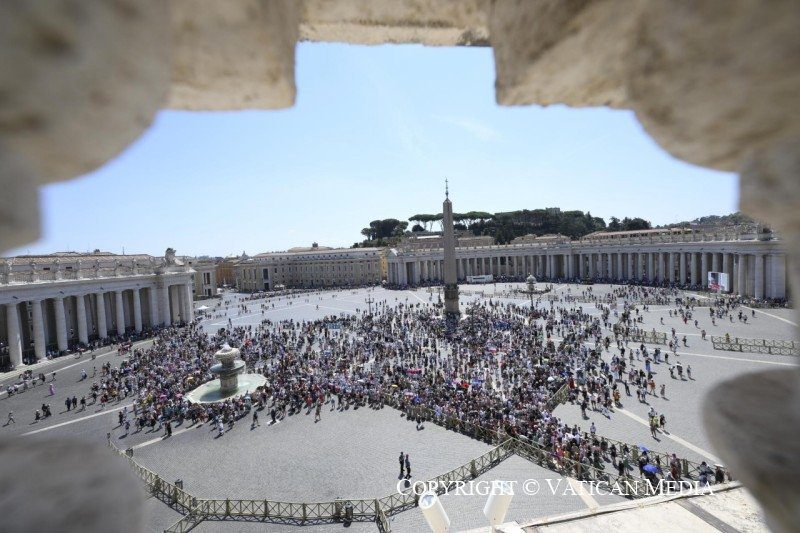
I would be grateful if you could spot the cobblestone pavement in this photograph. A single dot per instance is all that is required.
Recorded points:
(354, 453)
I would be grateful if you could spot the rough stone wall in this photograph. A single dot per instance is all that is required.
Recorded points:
(714, 82)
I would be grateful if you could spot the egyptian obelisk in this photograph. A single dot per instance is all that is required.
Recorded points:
(451, 311)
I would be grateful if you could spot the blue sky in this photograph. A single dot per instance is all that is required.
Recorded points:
(373, 134)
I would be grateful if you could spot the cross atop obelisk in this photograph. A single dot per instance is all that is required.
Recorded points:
(451, 310)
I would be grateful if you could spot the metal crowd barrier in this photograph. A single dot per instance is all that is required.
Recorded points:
(378, 510)
(765, 346)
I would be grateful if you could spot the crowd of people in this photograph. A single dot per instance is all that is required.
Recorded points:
(498, 370)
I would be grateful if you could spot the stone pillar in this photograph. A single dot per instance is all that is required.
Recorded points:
(704, 269)
(630, 275)
(61, 324)
(758, 286)
(672, 267)
(120, 312)
(778, 275)
(715, 262)
(83, 327)
(14, 336)
(166, 312)
(39, 343)
(640, 271)
(153, 300)
(693, 268)
(137, 311)
(102, 327)
(651, 271)
(726, 263)
(189, 312)
(741, 282)
(662, 267)
(682, 267)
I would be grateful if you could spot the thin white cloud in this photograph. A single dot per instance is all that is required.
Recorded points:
(477, 129)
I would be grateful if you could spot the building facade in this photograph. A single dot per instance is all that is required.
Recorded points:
(226, 270)
(312, 267)
(204, 279)
(755, 262)
(54, 303)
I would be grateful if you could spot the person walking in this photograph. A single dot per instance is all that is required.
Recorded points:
(318, 413)
(11, 418)
(255, 420)
(408, 467)
(402, 464)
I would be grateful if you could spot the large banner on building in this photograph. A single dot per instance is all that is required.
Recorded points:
(718, 281)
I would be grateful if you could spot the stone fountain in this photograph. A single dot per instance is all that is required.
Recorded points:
(232, 381)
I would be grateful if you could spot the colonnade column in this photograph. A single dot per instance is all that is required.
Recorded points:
(777, 269)
(137, 311)
(61, 324)
(102, 327)
(682, 267)
(726, 265)
(641, 270)
(651, 271)
(758, 286)
(120, 312)
(704, 269)
(693, 268)
(151, 296)
(741, 282)
(83, 329)
(715, 261)
(672, 267)
(14, 336)
(631, 275)
(189, 313)
(39, 344)
(167, 313)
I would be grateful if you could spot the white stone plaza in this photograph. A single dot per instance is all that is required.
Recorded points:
(352, 453)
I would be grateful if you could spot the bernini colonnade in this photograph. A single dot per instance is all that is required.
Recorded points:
(58, 305)
(755, 268)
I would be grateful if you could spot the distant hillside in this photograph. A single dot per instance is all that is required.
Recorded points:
(506, 226)
(734, 219)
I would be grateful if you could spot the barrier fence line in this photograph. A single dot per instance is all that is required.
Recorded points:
(765, 346)
(298, 513)
(379, 509)
(690, 469)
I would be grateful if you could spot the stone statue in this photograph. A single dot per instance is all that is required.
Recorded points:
(170, 259)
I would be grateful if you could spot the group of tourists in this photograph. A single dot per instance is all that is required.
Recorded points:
(498, 370)
(502, 369)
